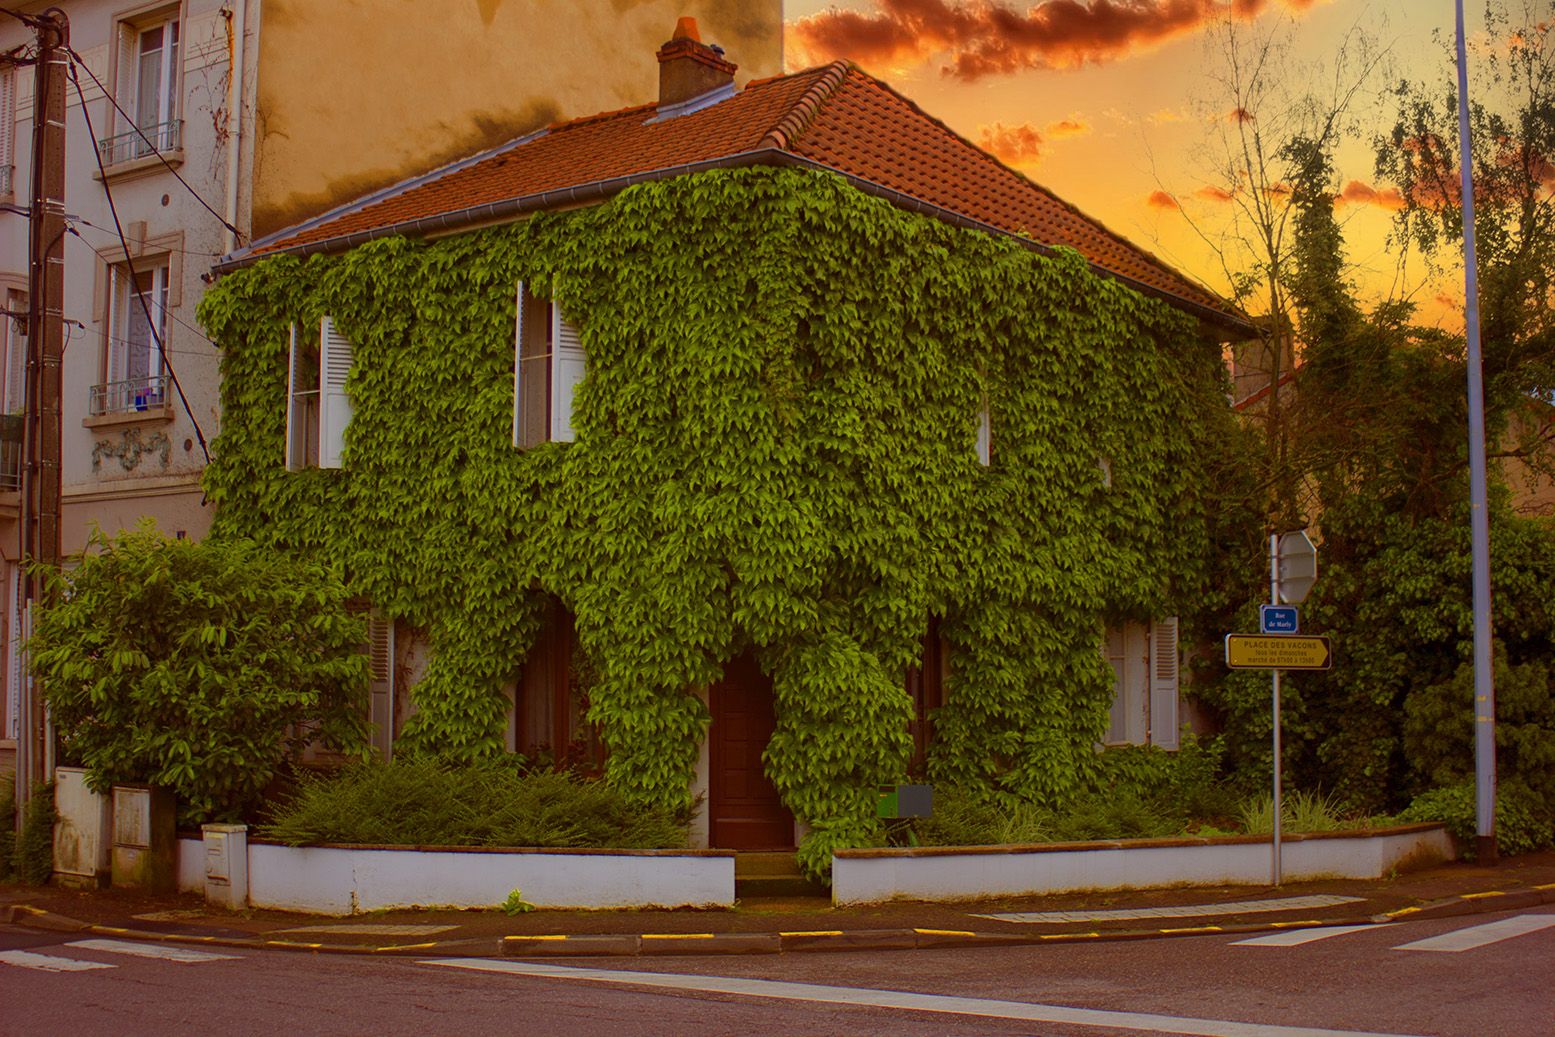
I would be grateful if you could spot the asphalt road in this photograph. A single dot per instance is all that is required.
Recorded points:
(1479, 975)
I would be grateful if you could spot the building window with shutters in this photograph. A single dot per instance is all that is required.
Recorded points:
(133, 372)
(145, 119)
(318, 408)
(548, 365)
(549, 722)
(13, 393)
(1144, 690)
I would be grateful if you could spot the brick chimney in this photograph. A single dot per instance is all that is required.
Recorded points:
(689, 68)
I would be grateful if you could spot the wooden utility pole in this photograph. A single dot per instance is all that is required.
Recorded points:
(46, 348)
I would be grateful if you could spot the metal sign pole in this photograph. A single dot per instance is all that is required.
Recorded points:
(1274, 599)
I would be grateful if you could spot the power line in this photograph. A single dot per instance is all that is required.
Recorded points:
(113, 210)
(114, 261)
(77, 61)
(160, 248)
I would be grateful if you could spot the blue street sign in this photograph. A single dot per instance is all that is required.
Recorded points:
(1277, 619)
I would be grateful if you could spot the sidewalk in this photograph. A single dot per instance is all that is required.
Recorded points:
(802, 923)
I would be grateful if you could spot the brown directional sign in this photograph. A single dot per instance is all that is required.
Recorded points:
(1278, 652)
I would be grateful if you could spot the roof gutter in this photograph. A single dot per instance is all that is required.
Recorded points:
(598, 190)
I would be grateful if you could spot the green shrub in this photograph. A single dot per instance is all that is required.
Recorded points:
(1300, 811)
(35, 843)
(1523, 822)
(198, 666)
(7, 828)
(423, 802)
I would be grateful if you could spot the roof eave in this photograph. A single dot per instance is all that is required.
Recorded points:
(598, 190)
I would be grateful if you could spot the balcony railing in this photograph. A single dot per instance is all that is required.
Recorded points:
(138, 143)
(129, 396)
(5, 178)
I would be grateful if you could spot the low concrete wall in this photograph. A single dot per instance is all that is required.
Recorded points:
(967, 872)
(343, 880)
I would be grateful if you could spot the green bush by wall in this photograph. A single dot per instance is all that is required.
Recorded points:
(775, 450)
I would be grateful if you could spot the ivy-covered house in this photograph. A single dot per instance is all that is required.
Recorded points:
(761, 446)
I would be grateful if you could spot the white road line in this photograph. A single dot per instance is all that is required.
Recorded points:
(1237, 907)
(902, 1000)
(49, 963)
(1297, 937)
(1480, 935)
(151, 950)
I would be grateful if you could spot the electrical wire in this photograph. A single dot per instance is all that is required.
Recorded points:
(76, 61)
(113, 210)
(116, 261)
(160, 248)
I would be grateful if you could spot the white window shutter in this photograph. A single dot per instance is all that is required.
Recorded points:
(334, 404)
(380, 655)
(984, 434)
(15, 362)
(15, 673)
(8, 122)
(568, 367)
(518, 357)
(293, 461)
(127, 73)
(1163, 683)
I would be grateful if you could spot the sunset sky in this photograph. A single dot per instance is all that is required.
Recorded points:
(1114, 105)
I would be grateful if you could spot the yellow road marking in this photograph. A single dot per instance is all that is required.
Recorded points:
(532, 938)
(944, 932)
(678, 936)
(404, 947)
(1195, 929)
(817, 932)
(1481, 896)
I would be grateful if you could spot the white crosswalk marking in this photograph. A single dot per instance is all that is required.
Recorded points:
(1480, 935)
(901, 1000)
(1297, 937)
(151, 950)
(49, 963)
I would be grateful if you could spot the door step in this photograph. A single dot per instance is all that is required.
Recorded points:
(772, 874)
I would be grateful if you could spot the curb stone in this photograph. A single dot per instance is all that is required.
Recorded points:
(700, 944)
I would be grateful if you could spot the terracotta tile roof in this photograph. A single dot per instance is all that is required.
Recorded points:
(834, 116)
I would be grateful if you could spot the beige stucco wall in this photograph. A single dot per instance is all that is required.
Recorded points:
(359, 94)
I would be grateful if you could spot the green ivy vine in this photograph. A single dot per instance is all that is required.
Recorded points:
(775, 451)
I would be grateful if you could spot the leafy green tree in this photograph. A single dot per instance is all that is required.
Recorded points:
(198, 666)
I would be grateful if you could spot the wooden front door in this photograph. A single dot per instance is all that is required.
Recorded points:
(743, 809)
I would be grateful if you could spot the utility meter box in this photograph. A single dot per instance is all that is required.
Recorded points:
(145, 838)
(226, 865)
(83, 832)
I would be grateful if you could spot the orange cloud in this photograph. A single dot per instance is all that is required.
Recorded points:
(1022, 145)
(1013, 145)
(1162, 200)
(1068, 128)
(1357, 193)
(1214, 194)
(983, 37)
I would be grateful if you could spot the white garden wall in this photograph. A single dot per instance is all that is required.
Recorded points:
(963, 873)
(347, 879)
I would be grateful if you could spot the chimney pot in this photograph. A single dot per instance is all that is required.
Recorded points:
(689, 68)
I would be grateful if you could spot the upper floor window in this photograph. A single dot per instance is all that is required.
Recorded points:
(548, 364)
(147, 89)
(133, 372)
(317, 406)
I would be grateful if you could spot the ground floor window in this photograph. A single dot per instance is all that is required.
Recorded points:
(1144, 690)
(550, 709)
